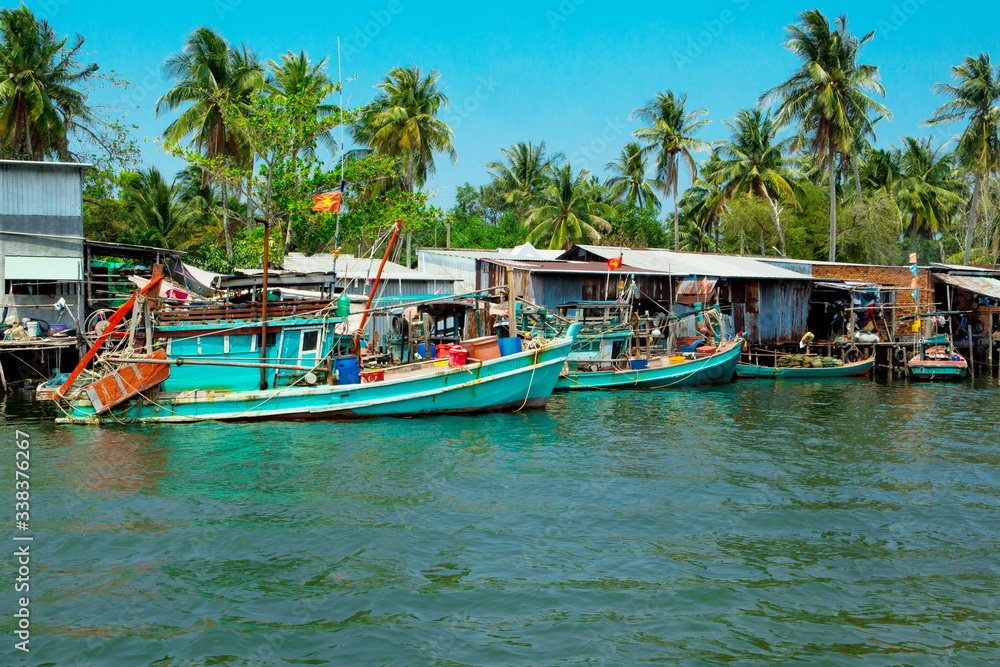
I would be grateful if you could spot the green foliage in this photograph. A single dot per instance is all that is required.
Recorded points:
(402, 123)
(568, 210)
(40, 100)
(635, 227)
(248, 253)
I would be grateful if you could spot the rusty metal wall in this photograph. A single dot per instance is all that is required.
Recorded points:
(771, 312)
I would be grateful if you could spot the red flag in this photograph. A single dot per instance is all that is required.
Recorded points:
(615, 263)
(326, 201)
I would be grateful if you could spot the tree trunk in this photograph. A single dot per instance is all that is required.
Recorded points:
(225, 220)
(913, 234)
(677, 217)
(777, 220)
(249, 219)
(857, 176)
(833, 204)
(972, 219)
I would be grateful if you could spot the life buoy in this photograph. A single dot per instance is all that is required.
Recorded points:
(852, 355)
(899, 355)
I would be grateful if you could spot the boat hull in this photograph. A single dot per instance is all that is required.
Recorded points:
(519, 381)
(716, 369)
(752, 372)
(937, 371)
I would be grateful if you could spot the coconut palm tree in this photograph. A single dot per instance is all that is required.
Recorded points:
(670, 134)
(629, 183)
(828, 96)
(975, 97)
(567, 210)
(160, 217)
(523, 172)
(211, 74)
(403, 124)
(297, 75)
(927, 189)
(40, 103)
(751, 162)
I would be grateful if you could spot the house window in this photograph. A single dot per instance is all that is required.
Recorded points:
(39, 288)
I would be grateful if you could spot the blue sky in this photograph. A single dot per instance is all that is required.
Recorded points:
(565, 71)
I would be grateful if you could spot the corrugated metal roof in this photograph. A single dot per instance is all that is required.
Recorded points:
(694, 264)
(986, 286)
(969, 269)
(563, 266)
(499, 253)
(350, 267)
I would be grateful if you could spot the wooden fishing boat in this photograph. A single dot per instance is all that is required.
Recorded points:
(522, 380)
(660, 372)
(253, 360)
(856, 369)
(937, 360)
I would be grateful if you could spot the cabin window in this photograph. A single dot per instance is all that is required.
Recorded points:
(272, 340)
(310, 341)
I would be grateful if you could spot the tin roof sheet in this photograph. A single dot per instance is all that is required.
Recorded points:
(694, 264)
(986, 286)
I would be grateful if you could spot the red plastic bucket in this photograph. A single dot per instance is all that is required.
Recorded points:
(458, 356)
(442, 350)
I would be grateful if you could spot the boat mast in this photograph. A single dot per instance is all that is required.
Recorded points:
(263, 310)
(371, 296)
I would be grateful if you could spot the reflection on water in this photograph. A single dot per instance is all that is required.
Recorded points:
(814, 522)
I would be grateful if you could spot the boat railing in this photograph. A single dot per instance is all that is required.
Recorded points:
(239, 311)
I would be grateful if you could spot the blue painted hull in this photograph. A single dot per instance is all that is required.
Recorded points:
(716, 369)
(523, 380)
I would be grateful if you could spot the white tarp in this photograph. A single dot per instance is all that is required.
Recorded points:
(42, 268)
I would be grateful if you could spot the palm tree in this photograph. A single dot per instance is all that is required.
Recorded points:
(211, 74)
(629, 183)
(297, 77)
(567, 210)
(403, 124)
(974, 97)
(522, 173)
(828, 95)
(670, 134)
(154, 205)
(926, 188)
(40, 104)
(752, 163)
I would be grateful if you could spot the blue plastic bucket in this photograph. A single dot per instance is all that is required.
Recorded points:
(348, 370)
(509, 346)
(420, 351)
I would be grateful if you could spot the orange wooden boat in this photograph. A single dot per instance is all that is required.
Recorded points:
(128, 381)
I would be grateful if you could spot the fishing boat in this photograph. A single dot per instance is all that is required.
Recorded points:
(856, 369)
(693, 369)
(937, 360)
(297, 360)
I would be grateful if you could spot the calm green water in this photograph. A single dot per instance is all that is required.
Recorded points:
(824, 523)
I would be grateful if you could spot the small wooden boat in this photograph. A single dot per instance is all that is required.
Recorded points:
(937, 360)
(660, 372)
(856, 369)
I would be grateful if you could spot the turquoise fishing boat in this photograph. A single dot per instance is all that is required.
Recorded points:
(937, 360)
(717, 367)
(250, 358)
(856, 369)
